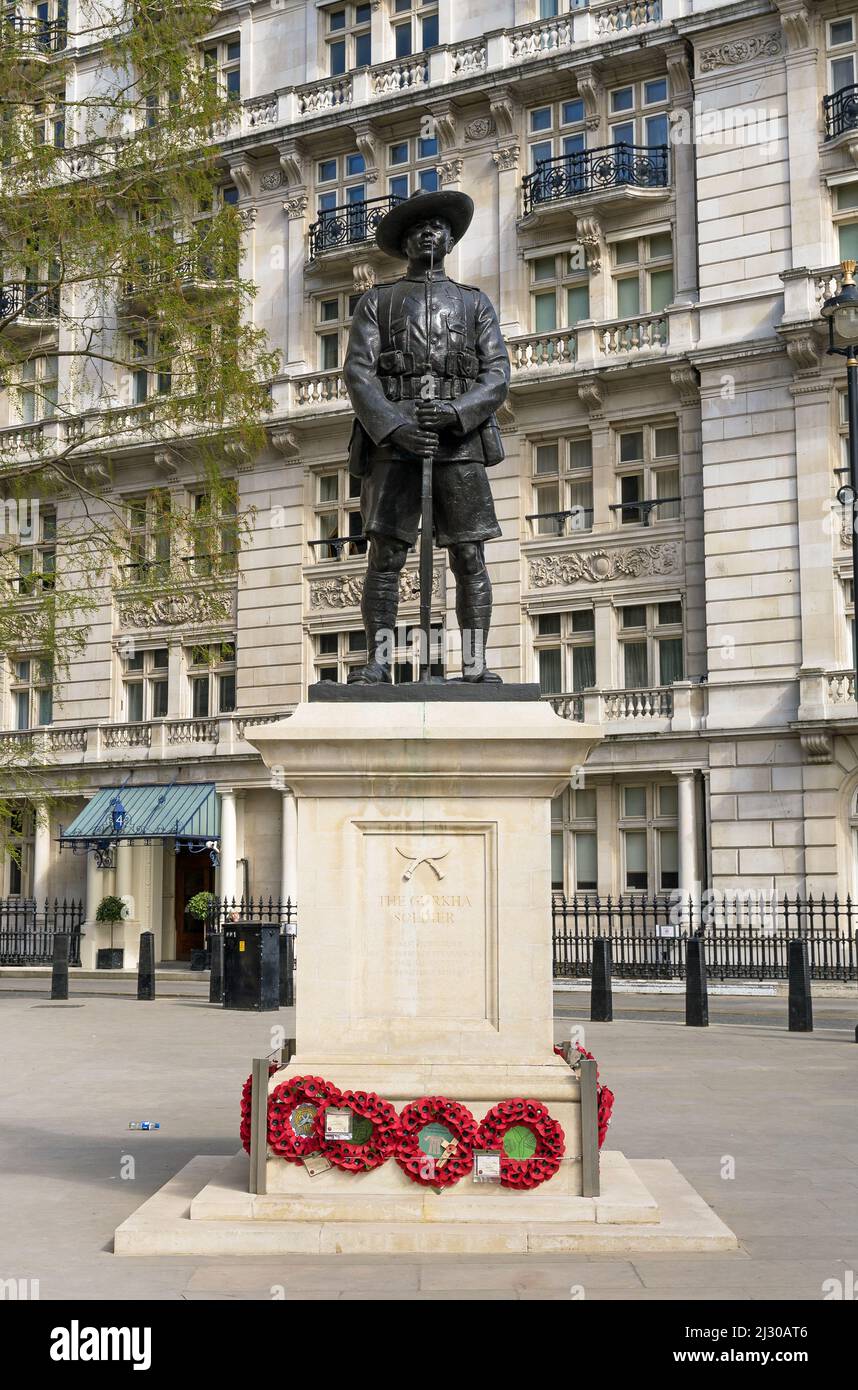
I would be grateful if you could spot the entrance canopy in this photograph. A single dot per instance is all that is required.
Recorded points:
(188, 814)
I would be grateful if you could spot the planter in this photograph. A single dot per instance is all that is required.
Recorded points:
(109, 958)
(199, 958)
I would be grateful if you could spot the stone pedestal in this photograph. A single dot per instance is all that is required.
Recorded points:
(424, 960)
(424, 968)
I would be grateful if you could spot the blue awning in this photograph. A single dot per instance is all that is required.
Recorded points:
(190, 812)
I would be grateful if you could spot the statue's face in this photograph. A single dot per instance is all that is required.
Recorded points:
(433, 236)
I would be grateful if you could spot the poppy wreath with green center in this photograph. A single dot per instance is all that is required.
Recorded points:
(531, 1144)
(375, 1128)
(294, 1108)
(246, 1090)
(445, 1116)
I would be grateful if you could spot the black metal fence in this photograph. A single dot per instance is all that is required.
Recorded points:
(27, 932)
(262, 910)
(350, 224)
(746, 935)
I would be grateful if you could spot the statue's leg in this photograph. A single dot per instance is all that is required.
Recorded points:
(473, 607)
(379, 606)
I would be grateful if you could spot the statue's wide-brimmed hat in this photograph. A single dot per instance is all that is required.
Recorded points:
(455, 208)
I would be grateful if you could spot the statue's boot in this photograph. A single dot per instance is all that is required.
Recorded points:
(379, 606)
(474, 611)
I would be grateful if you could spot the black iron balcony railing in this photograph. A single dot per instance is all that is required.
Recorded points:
(589, 171)
(642, 511)
(339, 547)
(29, 299)
(348, 225)
(580, 517)
(841, 111)
(42, 35)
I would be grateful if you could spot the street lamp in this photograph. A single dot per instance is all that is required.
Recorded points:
(841, 314)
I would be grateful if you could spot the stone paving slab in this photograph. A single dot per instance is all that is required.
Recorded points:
(780, 1105)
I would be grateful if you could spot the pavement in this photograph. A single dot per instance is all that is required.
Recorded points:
(760, 1121)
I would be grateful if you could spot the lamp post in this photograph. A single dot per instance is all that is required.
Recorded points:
(841, 314)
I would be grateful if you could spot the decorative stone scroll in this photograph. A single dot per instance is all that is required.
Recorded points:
(598, 566)
(345, 590)
(732, 55)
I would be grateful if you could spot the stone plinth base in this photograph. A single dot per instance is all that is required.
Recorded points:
(207, 1210)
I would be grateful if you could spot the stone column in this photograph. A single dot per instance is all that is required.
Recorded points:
(506, 159)
(687, 815)
(41, 854)
(228, 845)
(89, 944)
(682, 172)
(808, 222)
(295, 207)
(289, 848)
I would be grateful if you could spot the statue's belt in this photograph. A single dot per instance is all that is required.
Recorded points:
(412, 388)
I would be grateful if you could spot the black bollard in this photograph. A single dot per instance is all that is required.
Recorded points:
(146, 966)
(800, 1006)
(696, 994)
(60, 970)
(216, 977)
(601, 998)
(287, 951)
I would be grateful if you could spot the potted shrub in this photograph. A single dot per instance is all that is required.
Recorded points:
(199, 907)
(111, 909)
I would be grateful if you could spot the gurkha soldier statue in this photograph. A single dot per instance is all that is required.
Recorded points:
(426, 369)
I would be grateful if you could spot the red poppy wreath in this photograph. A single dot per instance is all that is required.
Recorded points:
(375, 1126)
(531, 1143)
(293, 1115)
(437, 1137)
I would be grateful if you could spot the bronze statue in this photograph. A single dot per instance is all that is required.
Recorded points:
(426, 369)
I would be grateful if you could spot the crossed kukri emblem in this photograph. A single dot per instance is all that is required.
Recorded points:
(415, 859)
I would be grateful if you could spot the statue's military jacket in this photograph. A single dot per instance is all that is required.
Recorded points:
(391, 350)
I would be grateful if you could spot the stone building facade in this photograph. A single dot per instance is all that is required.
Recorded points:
(663, 191)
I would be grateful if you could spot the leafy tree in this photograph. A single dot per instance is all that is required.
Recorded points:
(123, 316)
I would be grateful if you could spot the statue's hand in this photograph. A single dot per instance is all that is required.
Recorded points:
(436, 415)
(413, 439)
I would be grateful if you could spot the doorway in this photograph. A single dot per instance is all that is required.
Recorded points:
(194, 874)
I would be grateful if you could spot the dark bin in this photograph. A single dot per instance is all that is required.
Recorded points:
(251, 965)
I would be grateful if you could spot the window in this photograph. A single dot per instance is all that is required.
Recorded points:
(333, 317)
(348, 38)
(148, 522)
(845, 217)
(415, 26)
(340, 181)
(648, 475)
(574, 842)
(650, 637)
(337, 513)
(553, 131)
(559, 292)
(648, 834)
(214, 533)
(562, 471)
(49, 121)
(638, 116)
(213, 250)
(211, 677)
(841, 45)
(145, 678)
(32, 691)
(411, 165)
(565, 647)
(19, 838)
(224, 57)
(37, 555)
(335, 653)
(38, 389)
(151, 363)
(643, 274)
